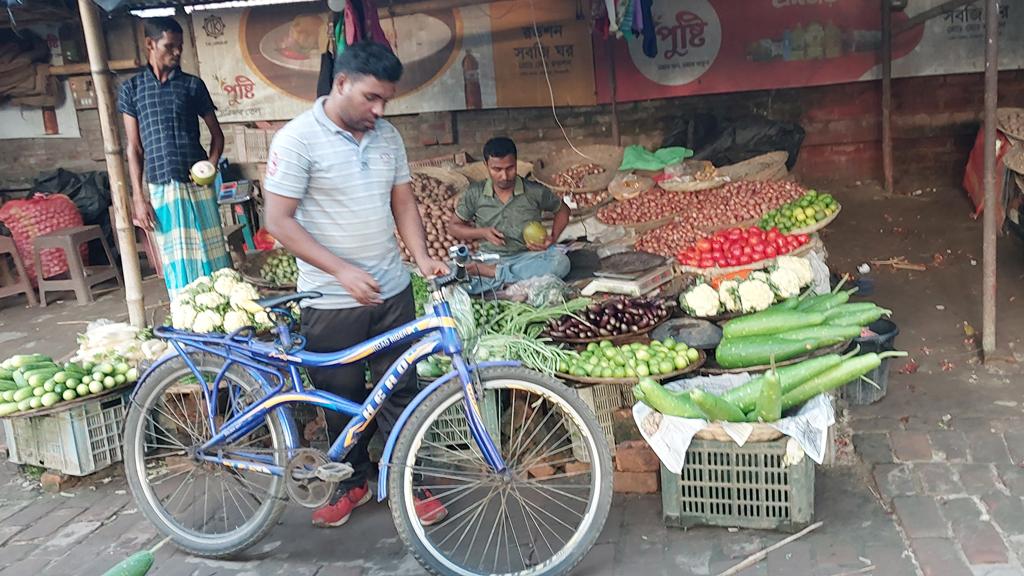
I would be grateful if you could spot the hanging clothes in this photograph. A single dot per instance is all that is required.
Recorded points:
(362, 23)
(649, 31)
(610, 14)
(626, 24)
(637, 26)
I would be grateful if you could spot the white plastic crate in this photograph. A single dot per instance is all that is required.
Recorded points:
(603, 400)
(78, 441)
(451, 430)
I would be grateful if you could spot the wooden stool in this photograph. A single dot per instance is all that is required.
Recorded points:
(8, 286)
(81, 278)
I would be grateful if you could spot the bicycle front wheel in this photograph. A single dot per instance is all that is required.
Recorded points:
(541, 517)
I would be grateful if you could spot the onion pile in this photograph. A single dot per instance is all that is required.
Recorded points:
(617, 316)
(730, 204)
(652, 205)
(572, 177)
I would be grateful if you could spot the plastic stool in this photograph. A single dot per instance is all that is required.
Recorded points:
(9, 286)
(145, 242)
(81, 278)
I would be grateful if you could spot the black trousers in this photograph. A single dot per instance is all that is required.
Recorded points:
(333, 330)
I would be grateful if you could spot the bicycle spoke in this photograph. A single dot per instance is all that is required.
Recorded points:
(534, 485)
(556, 501)
(533, 517)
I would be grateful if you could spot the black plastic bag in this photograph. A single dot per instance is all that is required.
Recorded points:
(725, 142)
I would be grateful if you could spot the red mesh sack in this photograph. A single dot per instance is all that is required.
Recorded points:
(38, 215)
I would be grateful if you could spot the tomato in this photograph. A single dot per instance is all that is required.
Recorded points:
(803, 238)
(758, 250)
(692, 262)
(703, 245)
(732, 261)
(754, 231)
(706, 263)
(770, 251)
(721, 261)
(745, 259)
(735, 250)
(735, 234)
(780, 242)
(747, 250)
(717, 252)
(755, 241)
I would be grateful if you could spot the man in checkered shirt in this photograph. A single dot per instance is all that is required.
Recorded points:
(161, 108)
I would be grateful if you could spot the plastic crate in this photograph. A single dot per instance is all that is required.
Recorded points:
(861, 392)
(747, 486)
(78, 441)
(603, 400)
(451, 430)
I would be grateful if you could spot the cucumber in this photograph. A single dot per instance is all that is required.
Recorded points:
(849, 309)
(823, 332)
(8, 385)
(25, 404)
(26, 359)
(69, 395)
(831, 301)
(862, 318)
(848, 371)
(7, 395)
(38, 378)
(763, 323)
(6, 374)
(717, 409)
(19, 379)
(745, 395)
(38, 366)
(135, 565)
(769, 402)
(49, 399)
(8, 408)
(666, 401)
(22, 394)
(788, 303)
(38, 391)
(759, 350)
(35, 402)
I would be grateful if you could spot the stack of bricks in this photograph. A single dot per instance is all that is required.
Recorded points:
(636, 465)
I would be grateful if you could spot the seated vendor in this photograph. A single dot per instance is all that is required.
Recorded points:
(497, 210)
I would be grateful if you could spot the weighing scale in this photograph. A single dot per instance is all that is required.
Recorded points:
(630, 274)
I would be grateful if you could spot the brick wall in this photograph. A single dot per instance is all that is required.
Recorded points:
(935, 120)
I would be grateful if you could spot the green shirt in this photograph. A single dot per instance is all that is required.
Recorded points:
(481, 207)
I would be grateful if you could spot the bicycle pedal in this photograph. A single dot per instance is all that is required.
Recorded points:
(334, 471)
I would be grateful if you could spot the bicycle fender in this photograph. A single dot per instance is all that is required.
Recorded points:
(389, 446)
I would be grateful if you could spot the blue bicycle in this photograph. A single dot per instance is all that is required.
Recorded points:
(212, 452)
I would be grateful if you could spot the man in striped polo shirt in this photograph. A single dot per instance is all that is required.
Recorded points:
(338, 185)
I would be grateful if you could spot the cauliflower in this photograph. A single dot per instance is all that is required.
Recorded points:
(785, 282)
(199, 285)
(727, 295)
(262, 319)
(755, 295)
(700, 301)
(235, 320)
(226, 273)
(207, 321)
(758, 275)
(182, 316)
(210, 300)
(242, 294)
(224, 286)
(800, 266)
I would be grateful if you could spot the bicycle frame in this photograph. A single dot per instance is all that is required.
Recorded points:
(260, 359)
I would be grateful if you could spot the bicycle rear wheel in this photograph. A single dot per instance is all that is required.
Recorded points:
(540, 518)
(206, 508)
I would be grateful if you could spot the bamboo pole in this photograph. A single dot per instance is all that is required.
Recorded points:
(887, 167)
(97, 46)
(989, 224)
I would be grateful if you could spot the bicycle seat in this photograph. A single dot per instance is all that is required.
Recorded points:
(278, 301)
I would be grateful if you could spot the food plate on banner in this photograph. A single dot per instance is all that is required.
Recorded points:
(712, 368)
(588, 381)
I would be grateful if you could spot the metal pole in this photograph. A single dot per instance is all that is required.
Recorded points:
(988, 296)
(887, 168)
(97, 46)
(610, 48)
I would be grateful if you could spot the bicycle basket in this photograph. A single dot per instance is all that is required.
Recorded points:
(462, 310)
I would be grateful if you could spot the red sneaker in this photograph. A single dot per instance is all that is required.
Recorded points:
(337, 513)
(429, 509)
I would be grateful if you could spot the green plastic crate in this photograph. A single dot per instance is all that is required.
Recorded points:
(84, 438)
(747, 486)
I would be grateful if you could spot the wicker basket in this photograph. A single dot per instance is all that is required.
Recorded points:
(254, 262)
(1011, 122)
(457, 181)
(477, 171)
(770, 166)
(607, 156)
